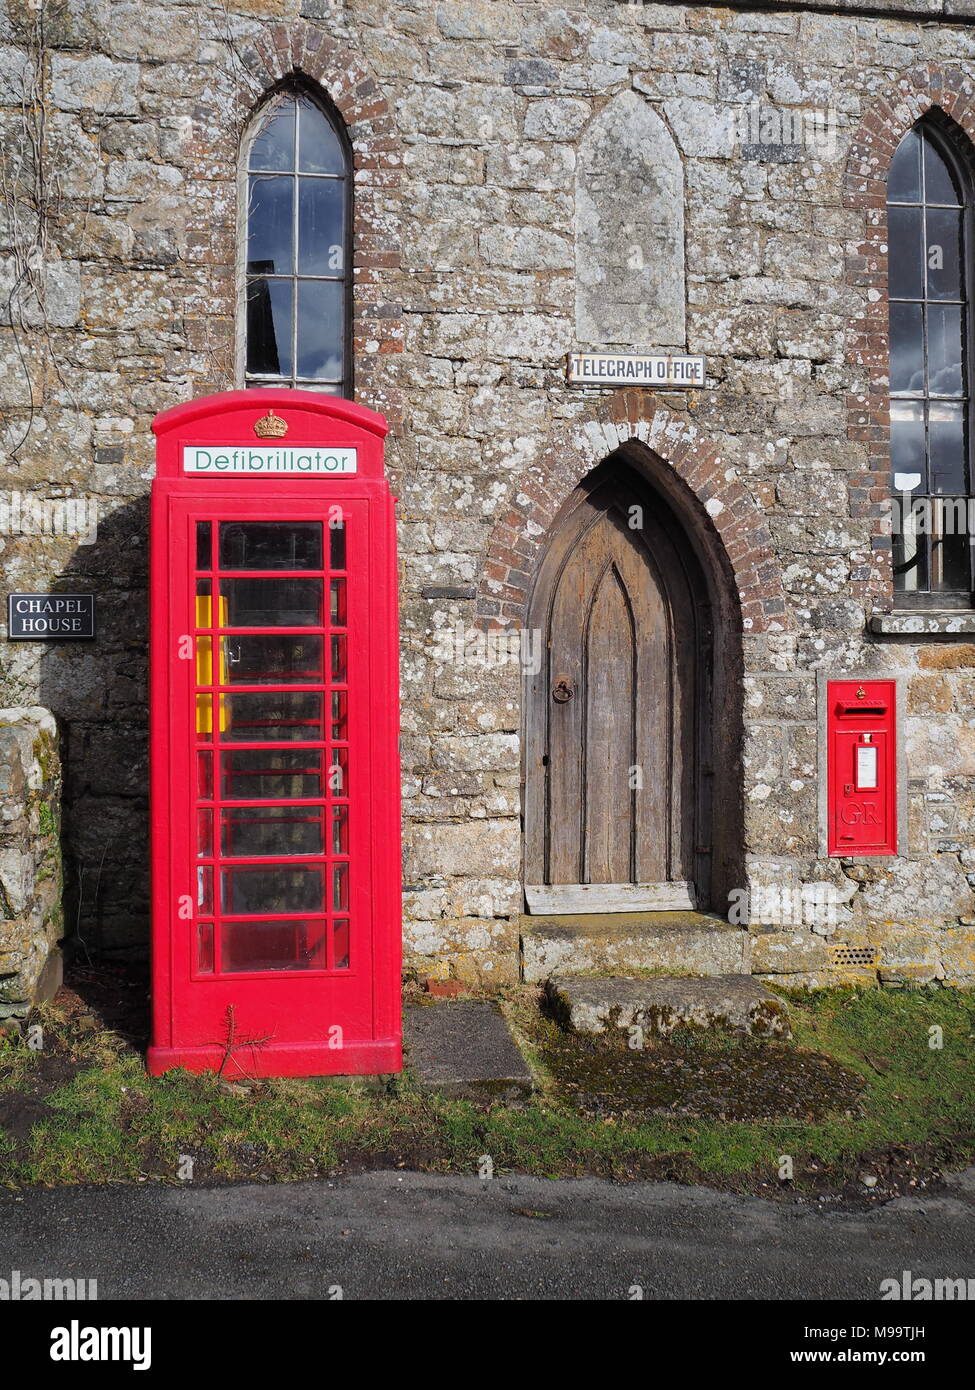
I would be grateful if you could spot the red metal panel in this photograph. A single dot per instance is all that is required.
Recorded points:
(277, 881)
(862, 767)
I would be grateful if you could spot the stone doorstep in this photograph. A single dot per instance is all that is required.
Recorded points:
(616, 943)
(736, 1003)
(464, 1048)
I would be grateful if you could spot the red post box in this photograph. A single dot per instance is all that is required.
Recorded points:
(862, 772)
(276, 879)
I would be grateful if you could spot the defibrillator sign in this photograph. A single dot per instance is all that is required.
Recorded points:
(247, 461)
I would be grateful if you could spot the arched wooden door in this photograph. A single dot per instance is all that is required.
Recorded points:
(617, 732)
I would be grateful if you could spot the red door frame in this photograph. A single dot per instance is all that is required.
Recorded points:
(281, 1022)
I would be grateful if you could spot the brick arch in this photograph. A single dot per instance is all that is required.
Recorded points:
(886, 121)
(518, 537)
(301, 49)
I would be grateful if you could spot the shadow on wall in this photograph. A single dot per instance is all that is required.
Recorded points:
(98, 690)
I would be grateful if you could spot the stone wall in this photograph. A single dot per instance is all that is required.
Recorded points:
(31, 921)
(486, 201)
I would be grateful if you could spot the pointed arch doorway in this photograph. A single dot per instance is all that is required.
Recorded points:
(619, 717)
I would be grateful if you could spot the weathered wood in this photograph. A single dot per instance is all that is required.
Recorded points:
(612, 774)
(609, 749)
(610, 897)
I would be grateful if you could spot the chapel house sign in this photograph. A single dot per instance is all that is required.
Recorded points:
(46, 617)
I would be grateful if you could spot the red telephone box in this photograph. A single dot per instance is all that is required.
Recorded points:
(276, 874)
(862, 777)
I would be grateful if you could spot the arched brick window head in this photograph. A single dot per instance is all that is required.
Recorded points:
(929, 211)
(297, 246)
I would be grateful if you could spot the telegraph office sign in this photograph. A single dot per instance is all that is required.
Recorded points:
(634, 369)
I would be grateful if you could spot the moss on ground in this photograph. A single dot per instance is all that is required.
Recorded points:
(859, 1090)
(692, 1072)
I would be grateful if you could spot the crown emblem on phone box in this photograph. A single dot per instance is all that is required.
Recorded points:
(271, 426)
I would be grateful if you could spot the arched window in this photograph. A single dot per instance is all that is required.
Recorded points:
(298, 274)
(929, 206)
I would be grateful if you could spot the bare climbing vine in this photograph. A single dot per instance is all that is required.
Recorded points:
(30, 195)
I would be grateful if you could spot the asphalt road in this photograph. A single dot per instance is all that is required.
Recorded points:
(416, 1236)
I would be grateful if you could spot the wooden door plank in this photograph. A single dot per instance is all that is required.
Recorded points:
(538, 687)
(557, 899)
(610, 643)
(652, 710)
(566, 719)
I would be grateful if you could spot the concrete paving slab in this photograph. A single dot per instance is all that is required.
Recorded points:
(737, 1003)
(464, 1047)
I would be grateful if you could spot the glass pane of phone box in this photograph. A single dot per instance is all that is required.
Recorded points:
(250, 946)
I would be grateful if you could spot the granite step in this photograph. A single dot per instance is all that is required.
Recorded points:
(731, 1003)
(621, 943)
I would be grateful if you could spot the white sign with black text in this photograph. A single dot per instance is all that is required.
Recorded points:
(634, 369)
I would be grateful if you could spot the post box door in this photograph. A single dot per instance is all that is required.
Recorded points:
(271, 843)
(862, 790)
(860, 812)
